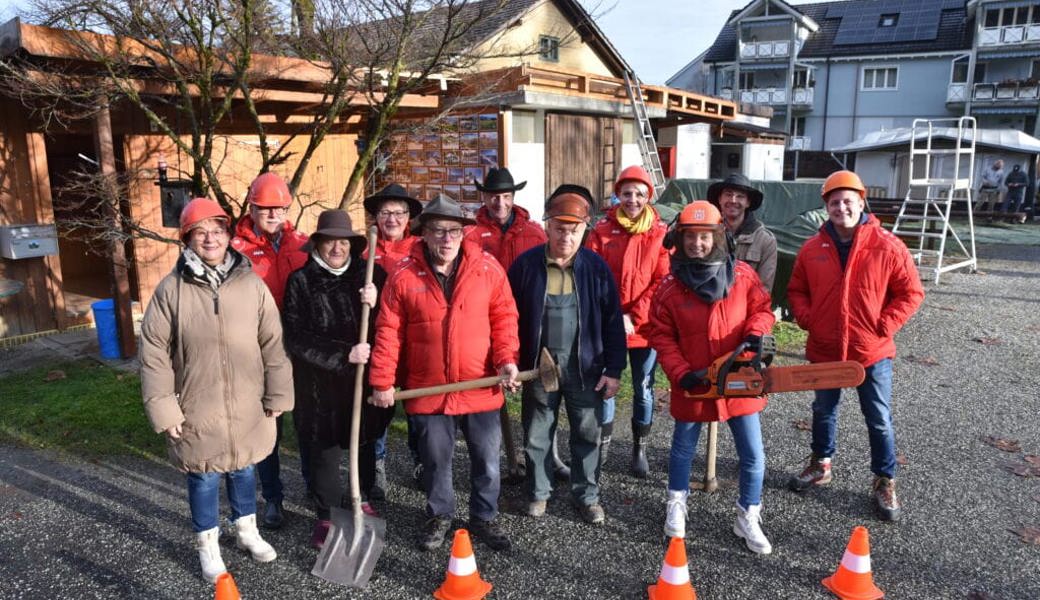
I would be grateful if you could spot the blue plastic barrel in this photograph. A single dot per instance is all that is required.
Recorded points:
(107, 334)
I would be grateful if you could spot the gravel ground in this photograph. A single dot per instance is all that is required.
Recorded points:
(119, 527)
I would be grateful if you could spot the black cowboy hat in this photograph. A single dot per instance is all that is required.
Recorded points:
(441, 207)
(336, 224)
(498, 181)
(735, 181)
(396, 192)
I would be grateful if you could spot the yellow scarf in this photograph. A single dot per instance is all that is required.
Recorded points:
(640, 224)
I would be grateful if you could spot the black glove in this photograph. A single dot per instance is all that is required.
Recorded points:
(754, 343)
(693, 380)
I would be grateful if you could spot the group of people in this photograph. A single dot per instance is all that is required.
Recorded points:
(247, 327)
(989, 194)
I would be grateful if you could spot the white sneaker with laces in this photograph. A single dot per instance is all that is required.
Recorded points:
(675, 514)
(749, 527)
(247, 537)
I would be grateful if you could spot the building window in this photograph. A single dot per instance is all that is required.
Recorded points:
(549, 49)
(888, 20)
(960, 71)
(798, 127)
(802, 79)
(1034, 73)
(747, 80)
(880, 78)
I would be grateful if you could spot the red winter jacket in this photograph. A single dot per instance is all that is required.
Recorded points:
(689, 334)
(389, 253)
(853, 315)
(639, 264)
(440, 343)
(274, 268)
(521, 236)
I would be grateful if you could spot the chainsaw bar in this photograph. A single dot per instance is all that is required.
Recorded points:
(813, 376)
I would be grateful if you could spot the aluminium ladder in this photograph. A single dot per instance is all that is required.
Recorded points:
(940, 179)
(645, 135)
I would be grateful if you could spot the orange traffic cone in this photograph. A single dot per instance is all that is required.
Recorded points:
(462, 581)
(226, 588)
(853, 579)
(674, 581)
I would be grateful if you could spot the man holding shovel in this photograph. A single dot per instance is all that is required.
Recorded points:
(447, 316)
(569, 306)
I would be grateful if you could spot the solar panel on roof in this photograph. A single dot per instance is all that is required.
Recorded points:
(860, 21)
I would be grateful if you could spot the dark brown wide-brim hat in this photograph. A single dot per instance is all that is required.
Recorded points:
(336, 224)
(499, 181)
(441, 207)
(735, 181)
(396, 192)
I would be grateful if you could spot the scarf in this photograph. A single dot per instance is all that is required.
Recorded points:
(204, 273)
(640, 224)
(325, 265)
(710, 278)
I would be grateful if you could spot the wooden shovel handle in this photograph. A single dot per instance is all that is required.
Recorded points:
(461, 386)
(359, 384)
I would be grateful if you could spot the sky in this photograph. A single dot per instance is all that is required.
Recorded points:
(656, 37)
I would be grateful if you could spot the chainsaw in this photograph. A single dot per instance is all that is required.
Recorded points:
(745, 372)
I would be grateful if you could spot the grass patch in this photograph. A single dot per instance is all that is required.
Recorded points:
(789, 336)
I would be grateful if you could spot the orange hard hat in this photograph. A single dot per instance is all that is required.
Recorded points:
(700, 214)
(634, 173)
(269, 191)
(843, 180)
(198, 210)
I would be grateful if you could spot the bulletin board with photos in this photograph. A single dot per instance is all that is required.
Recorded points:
(446, 157)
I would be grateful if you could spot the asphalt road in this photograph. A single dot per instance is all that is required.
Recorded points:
(967, 369)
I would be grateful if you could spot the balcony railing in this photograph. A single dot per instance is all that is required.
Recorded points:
(800, 96)
(1010, 35)
(765, 50)
(994, 92)
(798, 142)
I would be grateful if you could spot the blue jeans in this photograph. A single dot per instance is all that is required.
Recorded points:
(644, 364)
(875, 400)
(747, 436)
(204, 496)
(436, 438)
(269, 470)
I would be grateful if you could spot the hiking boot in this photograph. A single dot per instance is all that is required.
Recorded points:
(489, 532)
(749, 527)
(536, 508)
(320, 532)
(818, 472)
(378, 490)
(591, 513)
(273, 515)
(885, 498)
(208, 545)
(675, 514)
(640, 437)
(434, 531)
(247, 537)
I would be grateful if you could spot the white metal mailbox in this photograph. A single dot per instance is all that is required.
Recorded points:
(28, 241)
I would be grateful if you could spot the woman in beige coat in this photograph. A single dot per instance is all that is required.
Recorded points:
(214, 377)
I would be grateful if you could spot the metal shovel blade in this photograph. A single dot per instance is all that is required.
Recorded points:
(351, 549)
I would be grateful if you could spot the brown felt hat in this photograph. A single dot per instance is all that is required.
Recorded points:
(336, 224)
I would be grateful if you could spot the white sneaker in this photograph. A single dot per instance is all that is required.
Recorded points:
(247, 537)
(675, 514)
(748, 526)
(208, 545)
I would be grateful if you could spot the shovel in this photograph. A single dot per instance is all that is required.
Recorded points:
(355, 539)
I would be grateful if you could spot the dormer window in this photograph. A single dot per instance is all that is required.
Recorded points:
(549, 48)
(888, 20)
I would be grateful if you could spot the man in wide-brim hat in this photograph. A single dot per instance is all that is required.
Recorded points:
(504, 229)
(737, 200)
(447, 316)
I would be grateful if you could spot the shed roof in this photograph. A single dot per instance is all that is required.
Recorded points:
(1002, 139)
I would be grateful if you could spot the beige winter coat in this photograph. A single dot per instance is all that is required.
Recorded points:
(213, 362)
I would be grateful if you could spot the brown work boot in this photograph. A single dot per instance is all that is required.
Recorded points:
(885, 498)
(818, 472)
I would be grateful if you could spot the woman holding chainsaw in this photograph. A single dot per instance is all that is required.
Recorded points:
(710, 305)
(322, 318)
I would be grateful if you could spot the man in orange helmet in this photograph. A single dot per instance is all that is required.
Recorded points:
(853, 287)
(269, 241)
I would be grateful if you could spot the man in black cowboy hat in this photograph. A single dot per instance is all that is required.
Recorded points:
(504, 229)
(447, 316)
(756, 245)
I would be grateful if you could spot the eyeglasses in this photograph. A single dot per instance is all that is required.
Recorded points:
(397, 214)
(274, 210)
(202, 234)
(451, 232)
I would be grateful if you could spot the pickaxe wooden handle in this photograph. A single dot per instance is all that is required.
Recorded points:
(547, 372)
